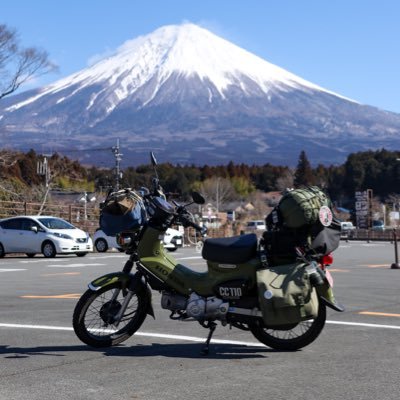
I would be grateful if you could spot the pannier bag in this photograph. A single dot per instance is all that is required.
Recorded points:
(122, 211)
(286, 295)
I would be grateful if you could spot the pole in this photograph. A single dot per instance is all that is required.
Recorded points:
(395, 265)
(118, 158)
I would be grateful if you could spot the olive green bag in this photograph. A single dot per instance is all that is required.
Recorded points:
(286, 295)
(300, 207)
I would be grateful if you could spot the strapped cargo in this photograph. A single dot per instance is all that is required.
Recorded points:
(303, 218)
(122, 211)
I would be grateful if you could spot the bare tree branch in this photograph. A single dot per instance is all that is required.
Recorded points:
(18, 65)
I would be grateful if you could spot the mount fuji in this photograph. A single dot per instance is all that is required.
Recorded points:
(193, 97)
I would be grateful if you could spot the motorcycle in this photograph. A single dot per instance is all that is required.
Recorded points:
(231, 291)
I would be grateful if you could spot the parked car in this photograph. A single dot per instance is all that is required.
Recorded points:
(347, 226)
(347, 229)
(258, 225)
(173, 239)
(42, 234)
(378, 225)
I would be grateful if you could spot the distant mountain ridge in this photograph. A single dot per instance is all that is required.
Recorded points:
(193, 97)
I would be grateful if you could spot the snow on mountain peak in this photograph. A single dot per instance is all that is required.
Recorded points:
(187, 50)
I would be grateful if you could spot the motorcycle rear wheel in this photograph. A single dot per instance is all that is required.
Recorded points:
(291, 337)
(93, 316)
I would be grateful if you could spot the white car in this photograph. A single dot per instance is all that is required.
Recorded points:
(257, 225)
(172, 240)
(42, 234)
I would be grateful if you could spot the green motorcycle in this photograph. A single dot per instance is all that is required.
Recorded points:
(283, 306)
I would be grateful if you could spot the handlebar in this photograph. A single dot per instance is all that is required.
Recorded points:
(188, 223)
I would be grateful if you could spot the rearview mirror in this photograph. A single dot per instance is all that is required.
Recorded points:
(153, 159)
(198, 198)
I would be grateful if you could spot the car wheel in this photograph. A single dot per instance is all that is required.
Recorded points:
(101, 245)
(48, 250)
(2, 253)
(31, 255)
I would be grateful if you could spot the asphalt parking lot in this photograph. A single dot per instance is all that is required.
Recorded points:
(355, 357)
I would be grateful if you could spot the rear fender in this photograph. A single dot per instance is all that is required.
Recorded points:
(326, 296)
(133, 282)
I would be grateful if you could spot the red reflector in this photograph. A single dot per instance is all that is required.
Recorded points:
(327, 259)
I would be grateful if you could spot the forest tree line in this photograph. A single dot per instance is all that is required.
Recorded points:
(378, 170)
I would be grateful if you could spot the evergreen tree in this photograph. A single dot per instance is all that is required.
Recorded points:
(304, 175)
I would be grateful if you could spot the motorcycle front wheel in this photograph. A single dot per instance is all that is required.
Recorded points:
(96, 313)
(290, 337)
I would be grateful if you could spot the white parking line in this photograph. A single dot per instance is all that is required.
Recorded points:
(73, 265)
(11, 269)
(364, 325)
(192, 338)
(107, 256)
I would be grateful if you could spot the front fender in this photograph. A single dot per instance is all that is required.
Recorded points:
(109, 279)
(133, 282)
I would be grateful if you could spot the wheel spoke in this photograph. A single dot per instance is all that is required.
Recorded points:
(94, 321)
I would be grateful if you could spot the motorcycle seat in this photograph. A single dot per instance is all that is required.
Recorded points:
(231, 250)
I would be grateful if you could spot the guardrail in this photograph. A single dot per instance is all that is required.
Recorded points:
(368, 235)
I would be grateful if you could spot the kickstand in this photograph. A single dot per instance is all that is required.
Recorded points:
(206, 348)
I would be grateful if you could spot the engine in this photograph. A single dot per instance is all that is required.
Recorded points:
(196, 306)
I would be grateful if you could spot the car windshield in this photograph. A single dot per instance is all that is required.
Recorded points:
(55, 223)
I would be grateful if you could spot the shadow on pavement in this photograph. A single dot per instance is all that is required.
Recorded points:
(187, 350)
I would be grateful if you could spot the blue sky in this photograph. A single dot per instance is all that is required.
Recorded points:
(350, 47)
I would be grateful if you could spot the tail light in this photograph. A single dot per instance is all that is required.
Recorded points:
(327, 259)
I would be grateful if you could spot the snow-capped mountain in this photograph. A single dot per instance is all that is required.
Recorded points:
(193, 97)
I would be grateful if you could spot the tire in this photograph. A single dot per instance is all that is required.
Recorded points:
(101, 245)
(81, 254)
(49, 250)
(2, 253)
(93, 314)
(31, 255)
(291, 337)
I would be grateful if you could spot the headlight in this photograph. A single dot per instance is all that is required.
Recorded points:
(62, 236)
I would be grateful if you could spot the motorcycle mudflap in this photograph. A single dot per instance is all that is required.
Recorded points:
(286, 295)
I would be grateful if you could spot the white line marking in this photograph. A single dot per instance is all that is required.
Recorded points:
(108, 256)
(10, 269)
(73, 265)
(190, 258)
(193, 338)
(146, 334)
(363, 324)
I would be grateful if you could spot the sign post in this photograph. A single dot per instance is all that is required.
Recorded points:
(363, 209)
(395, 265)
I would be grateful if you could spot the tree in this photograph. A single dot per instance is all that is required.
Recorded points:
(218, 191)
(304, 174)
(17, 65)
